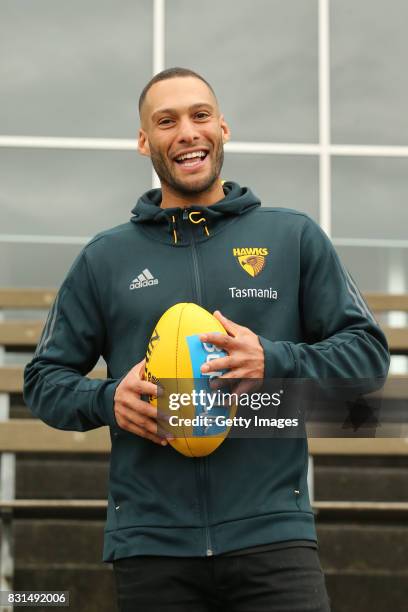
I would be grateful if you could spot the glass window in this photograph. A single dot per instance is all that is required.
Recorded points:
(260, 57)
(68, 192)
(73, 68)
(373, 267)
(289, 181)
(35, 265)
(369, 91)
(370, 197)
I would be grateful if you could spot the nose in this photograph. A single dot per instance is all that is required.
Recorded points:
(188, 131)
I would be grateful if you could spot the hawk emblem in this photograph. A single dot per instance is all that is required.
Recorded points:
(251, 259)
(252, 264)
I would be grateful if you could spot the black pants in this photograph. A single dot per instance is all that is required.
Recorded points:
(286, 580)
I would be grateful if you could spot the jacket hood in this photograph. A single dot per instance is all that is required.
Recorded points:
(238, 200)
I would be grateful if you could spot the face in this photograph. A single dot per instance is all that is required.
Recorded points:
(183, 133)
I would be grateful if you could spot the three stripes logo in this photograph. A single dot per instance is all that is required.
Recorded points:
(145, 279)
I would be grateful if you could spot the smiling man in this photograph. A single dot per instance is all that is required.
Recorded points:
(183, 133)
(233, 531)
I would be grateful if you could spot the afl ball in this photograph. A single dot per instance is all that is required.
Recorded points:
(192, 410)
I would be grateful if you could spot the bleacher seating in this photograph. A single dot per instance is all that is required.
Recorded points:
(359, 486)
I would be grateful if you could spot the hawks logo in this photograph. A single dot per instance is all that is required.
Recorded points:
(252, 259)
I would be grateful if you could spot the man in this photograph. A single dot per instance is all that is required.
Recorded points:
(234, 530)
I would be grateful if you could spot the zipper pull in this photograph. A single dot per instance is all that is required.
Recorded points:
(185, 214)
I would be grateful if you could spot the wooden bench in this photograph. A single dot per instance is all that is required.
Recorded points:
(30, 435)
(18, 333)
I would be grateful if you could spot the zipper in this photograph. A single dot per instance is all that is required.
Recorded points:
(202, 461)
(203, 470)
(196, 273)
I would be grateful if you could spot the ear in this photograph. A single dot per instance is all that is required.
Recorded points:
(143, 143)
(226, 133)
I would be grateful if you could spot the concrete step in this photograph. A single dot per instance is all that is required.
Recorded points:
(64, 556)
(356, 483)
(361, 592)
(361, 460)
(343, 548)
(365, 565)
(65, 477)
(48, 543)
(93, 590)
(84, 476)
(357, 548)
(19, 411)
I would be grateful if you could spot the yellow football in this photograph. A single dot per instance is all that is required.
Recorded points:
(174, 357)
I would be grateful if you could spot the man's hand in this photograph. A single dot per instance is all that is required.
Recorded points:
(131, 412)
(245, 354)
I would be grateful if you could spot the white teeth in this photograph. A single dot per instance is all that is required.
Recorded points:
(191, 155)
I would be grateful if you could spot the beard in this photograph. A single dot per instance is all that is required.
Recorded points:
(164, 171)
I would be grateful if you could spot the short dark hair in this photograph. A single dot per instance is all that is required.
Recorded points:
(171, 73)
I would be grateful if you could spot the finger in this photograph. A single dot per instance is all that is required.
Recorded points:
(220, 340)
(138, 369)
(144, 422)
(143, 433)
(225, 392)
(144, 410)
(231, 374)
(148, 424)
(142, 368)
(143, 387)
(217, 365)
(136, 380)
(218, 383)
(136, 405)
(229, 326)
(242, 387)
(236, 386)
(251, 386)
(128, 415)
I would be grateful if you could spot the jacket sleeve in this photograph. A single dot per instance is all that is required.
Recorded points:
(341, 337)
(56, 388)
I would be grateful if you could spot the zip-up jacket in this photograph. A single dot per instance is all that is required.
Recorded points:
(291, 290)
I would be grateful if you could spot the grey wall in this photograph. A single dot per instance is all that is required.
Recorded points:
(76, 70)
(73, 68)
(261, 56)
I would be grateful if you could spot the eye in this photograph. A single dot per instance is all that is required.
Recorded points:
(202, 115)
(165, 122)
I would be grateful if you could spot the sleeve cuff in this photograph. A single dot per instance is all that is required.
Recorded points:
(107, 403)
(279, 359)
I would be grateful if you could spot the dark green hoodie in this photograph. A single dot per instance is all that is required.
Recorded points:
(270, 269)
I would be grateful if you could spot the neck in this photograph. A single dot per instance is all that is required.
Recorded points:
(172, 198)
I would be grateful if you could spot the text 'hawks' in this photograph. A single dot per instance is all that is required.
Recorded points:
(250, 251)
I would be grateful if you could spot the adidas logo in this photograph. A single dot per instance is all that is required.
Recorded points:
(145, 279)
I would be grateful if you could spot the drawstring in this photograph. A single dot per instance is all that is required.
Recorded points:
(201, 219)
(173, 218)
(192, 219)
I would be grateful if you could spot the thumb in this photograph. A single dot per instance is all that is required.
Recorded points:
(230, 327)
(138, 369)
